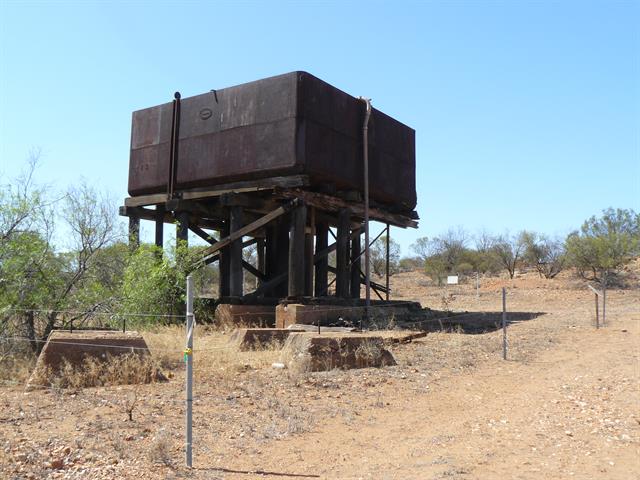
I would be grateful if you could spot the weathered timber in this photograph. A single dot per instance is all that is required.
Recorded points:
(355, 264)
(235, 251)
(134, 232)
(296, 252)
(224, 288)
(182, 227)
(321, 261)
(235, 187)
(334, 204)
(342, 255)
(159, 224)
(247, 229)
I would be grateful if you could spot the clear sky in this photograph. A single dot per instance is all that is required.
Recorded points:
(527, 114)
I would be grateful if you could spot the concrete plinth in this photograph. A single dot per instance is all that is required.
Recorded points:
(295, 313)
(245, 315)
(380, 316)
(314, 353)
(73, 347)
(246, 339)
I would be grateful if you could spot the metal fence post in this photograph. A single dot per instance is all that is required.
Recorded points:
(597, 315)
(604, 299)
(188, 356)
(504, 323)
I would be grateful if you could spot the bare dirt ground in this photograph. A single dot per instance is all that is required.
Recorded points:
(565, 404)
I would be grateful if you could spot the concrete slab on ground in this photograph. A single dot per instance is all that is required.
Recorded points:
(73, 347)
(314, 353)
(263, 316)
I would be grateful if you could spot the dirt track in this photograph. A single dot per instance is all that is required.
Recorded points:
(565, 406)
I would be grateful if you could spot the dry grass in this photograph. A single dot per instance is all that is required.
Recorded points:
(118, 370)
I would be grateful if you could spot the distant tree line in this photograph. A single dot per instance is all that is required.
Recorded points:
(597, 250)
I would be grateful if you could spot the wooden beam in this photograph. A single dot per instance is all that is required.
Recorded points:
(342, 255)
(375, 285)
(260, 253)
(207, 237)
(216, 257)
(134, 232)
(318, 256)
(159, 231)
(253, 271)
(334, 204)
(235, 187)
(321, 259)
(355, 264)
(268, 286)
(224, 267)
(236, 271)
(148, 214)
(247, 229)
(296, 252)
(182, 227)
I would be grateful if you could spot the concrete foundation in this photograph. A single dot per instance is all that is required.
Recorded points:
(246, 339)
(314, 353)
(263, 316)
(381, 316)
(74, 347)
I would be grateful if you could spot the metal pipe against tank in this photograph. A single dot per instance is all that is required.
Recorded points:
(365, 153)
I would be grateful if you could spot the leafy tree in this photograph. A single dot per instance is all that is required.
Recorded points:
(545, 254)
(421, 248)
(378, 256)
(604, 244)
(509, 249)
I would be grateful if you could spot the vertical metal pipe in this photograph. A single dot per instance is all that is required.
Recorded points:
(365, 152)
(597, 313)
(604, 298)
(188, 354)
(504, 323)
(386, 270)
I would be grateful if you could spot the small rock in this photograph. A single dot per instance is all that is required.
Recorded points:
(56, 464)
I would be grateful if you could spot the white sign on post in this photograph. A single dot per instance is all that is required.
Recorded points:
(452, 280)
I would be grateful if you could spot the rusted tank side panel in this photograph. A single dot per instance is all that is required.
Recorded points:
(284, 125)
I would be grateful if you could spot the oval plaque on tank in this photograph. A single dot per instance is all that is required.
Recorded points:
(205, 113)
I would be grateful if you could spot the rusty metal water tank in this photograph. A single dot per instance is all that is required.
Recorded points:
(284, 125)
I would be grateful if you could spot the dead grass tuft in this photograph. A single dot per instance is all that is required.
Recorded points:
(117, 370)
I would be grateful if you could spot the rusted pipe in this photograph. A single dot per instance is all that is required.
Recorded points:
(365, 152)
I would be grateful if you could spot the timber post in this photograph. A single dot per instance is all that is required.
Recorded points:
(343, 282)
(297, 263)
(322, 265)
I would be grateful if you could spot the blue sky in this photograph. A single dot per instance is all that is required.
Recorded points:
(527, 114)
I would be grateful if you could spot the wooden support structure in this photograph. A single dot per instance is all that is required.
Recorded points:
(290, 227)
(134, 232)
(159, 223)
(236, 272)
(321, 261)
(224, 286)
(355, 264)
(297, 270)
(182, 227)
(260, 254)
(343, 282)
(310, 233)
